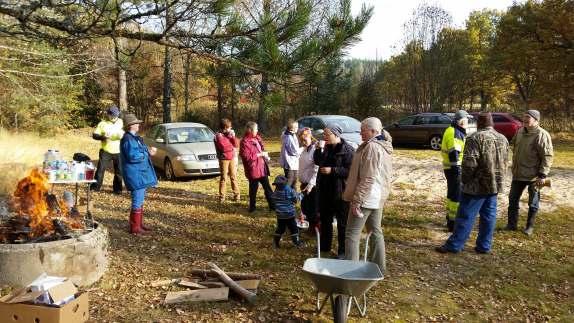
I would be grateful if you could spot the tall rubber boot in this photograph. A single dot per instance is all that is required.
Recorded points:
(135, 222)
(512, 220)
(530, 223)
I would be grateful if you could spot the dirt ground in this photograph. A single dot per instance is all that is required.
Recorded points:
(425, 177)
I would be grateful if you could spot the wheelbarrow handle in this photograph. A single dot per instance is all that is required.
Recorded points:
(318, 242)
(318, 233)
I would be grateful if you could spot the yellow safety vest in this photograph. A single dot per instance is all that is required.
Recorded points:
(450, 143)
(114, 130)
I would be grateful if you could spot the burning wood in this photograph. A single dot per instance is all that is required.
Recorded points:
(38, 215)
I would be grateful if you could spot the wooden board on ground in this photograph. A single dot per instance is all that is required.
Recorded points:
(235, 276)
(248, 284)
(199, 295)
(212, 284)
(191, 284)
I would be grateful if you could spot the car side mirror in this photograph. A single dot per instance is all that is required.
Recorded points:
(159, 140)
(319, 131)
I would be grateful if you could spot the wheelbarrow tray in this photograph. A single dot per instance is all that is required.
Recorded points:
(349, 277)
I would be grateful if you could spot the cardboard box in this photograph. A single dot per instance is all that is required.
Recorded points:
(76, 311)
(41, 302)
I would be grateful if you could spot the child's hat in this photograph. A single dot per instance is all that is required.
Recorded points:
(280, 180)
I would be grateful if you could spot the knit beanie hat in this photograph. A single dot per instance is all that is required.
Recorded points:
(114, 111)
(335, 129)
(534, 114)
(485, 120)
(460, 114)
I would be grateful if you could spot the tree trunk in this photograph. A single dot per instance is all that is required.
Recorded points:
(285, 102)
(122, 94)
(166, 104)
(483, 100)
(262, 113)
(220, 98)
(233, 98)
(186, 82)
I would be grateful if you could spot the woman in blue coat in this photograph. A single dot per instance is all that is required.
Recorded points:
(137, 170)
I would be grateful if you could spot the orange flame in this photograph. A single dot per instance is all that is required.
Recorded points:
(30, 199)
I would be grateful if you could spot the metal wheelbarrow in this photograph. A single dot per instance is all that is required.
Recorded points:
(342, 281)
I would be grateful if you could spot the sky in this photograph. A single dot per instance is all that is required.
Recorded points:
(382, 36)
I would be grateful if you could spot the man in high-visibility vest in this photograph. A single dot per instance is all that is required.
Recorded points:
(109, 131)
(452, 148)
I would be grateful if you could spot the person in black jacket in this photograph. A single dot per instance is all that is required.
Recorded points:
(333, 156)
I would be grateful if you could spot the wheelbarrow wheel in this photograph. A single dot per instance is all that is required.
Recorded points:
(340, 309)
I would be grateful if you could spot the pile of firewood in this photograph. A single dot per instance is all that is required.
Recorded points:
(212, 285)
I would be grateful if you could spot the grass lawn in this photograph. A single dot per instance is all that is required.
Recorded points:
(525, 279)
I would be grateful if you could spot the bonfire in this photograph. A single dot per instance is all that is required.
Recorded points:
(38, 215)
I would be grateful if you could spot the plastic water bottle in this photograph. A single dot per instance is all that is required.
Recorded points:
(49, 158)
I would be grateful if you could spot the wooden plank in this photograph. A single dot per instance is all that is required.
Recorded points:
(199, 295)
(233, 275)
(212, 284)
(248, 284)
(191, 284)
(244, 293)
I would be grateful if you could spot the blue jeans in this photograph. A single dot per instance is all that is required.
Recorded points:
(138, 197)
(469, 207)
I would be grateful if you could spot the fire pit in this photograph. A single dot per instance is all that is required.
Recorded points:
(43, 234)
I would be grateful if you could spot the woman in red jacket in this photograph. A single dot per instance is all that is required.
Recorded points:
(225, 144)
(255, 159)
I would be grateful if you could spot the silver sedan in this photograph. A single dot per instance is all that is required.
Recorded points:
(184, 149)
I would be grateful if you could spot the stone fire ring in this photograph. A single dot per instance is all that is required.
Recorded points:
(83, 260)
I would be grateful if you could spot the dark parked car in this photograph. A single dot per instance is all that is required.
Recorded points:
(505, 123)
(424, 129)
(351, 127)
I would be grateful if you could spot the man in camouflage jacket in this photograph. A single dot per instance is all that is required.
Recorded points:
(483, 170)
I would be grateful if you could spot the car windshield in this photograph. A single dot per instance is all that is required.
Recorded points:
(347, 124)
(189, 135)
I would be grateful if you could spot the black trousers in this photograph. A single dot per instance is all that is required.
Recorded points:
(453, 184)
(284, 224)
(309, 205)
(330, 208)
(103, 163)
(291, 177)
(254, 186)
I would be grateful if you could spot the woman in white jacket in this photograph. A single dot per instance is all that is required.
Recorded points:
(308, 176)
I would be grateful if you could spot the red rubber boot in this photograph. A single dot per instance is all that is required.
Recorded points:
(135, 222)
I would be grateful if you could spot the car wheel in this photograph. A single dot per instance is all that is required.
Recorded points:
(168, 170)
(435, 142)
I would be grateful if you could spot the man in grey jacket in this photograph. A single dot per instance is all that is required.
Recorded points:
(368, 187)
(531, 162)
